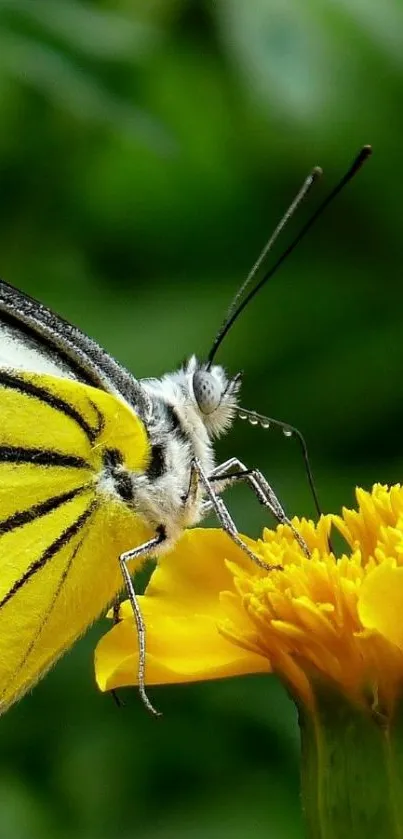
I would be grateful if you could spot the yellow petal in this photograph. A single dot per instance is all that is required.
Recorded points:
(180, 648)
(191, 577)
(380, 604)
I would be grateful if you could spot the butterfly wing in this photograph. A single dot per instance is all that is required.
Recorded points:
(32, 337)
(62, 524)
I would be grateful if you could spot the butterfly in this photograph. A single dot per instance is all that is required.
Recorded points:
(99, 470)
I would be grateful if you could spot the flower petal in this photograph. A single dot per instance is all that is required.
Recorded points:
(191, 577)
(380, 604)
(180, 648)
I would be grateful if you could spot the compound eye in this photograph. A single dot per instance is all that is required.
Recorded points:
(207, 390)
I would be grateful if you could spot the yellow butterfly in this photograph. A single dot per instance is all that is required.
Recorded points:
(99, 470)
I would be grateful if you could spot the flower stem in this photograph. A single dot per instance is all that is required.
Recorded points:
(351, 770)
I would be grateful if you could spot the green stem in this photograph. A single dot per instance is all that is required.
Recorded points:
(351, 770)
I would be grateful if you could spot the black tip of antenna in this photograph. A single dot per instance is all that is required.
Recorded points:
(359, 161)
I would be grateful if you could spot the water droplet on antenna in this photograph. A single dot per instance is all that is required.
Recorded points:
(287, 432)
(242, 416)
(253, 420)
(265, 423)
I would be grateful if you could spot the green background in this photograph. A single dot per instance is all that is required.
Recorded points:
(147, 149)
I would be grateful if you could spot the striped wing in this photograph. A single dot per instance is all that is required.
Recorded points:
(61, 525)
(34, 338)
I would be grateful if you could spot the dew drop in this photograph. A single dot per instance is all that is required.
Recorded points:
(265, 423)
(242, 416)
(287, 432)
(253, 420)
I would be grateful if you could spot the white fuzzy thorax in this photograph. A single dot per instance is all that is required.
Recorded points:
(183, 432)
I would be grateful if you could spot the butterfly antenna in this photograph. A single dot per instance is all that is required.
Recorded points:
(237, 307)
(301, 194)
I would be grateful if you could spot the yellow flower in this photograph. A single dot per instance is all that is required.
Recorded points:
(210, 612)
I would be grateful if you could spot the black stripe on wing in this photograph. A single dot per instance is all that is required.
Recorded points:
(100, 418)
(22, 517)
(41, 457)
(44, 620)
(59, 543)
(22, 386)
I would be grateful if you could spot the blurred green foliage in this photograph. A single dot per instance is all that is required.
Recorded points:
(146, 151)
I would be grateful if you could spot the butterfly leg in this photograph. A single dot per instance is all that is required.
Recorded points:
(116, 610)
(142, 550)
(225, 519)
(261, 488)
(116, 619)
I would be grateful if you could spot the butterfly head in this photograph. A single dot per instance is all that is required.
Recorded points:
(215, 395)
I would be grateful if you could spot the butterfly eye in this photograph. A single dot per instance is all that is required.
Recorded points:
(207, 391)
